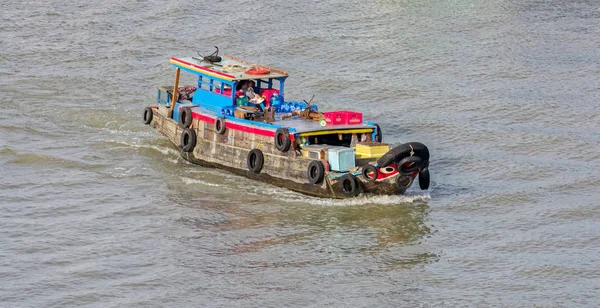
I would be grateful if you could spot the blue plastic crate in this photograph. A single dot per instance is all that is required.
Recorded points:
(341, 158)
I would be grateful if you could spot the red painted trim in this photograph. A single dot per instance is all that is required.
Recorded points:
(204, 118)
(204, 68)
(237, 126)
(249, 129)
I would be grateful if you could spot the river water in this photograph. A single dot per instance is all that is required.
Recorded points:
(98, 210)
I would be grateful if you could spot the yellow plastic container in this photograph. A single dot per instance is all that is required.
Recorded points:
(371, 149)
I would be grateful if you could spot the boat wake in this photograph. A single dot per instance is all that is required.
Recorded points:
(189, 181)
(115, 128)
(258, 190)
(168, 153)
(362, 200)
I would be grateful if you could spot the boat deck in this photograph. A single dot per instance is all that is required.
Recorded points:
(299, 124)
(303, 125)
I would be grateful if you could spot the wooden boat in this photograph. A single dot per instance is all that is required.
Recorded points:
(290, 144)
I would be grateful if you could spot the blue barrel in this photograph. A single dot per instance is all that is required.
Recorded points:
(276, 102)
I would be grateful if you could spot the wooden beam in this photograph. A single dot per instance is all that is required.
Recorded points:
(175, 94)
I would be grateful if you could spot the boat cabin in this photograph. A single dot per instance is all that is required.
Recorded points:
(219, 86)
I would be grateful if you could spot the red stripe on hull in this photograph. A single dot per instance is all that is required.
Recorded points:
(204, 118)
(237, 126)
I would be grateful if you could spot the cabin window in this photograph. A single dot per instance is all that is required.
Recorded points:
(331, 139)
(163, 97)
(214, 85)
(267, 84)
(345, 140)
(204, 83)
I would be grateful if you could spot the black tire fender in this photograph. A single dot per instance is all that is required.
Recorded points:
(370, 173)
(394, 155)
(185, 117)
(349, 185)
(420, 150)
(408, 165)
(282, 139)
(147, 115)
(255, 160)
(404, 181)
(188, 140)
(220, 125)
(315, 172)
(424, 179)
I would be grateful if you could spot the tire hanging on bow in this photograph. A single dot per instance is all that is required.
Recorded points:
(315, 172)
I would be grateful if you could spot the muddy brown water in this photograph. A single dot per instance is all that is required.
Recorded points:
(98, 210)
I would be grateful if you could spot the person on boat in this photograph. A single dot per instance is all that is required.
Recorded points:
(253, 97)
(248, 89)
(243, 86)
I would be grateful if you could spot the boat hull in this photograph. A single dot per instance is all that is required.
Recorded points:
(229, 151)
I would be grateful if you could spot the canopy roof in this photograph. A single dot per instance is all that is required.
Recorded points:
(229, 68)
